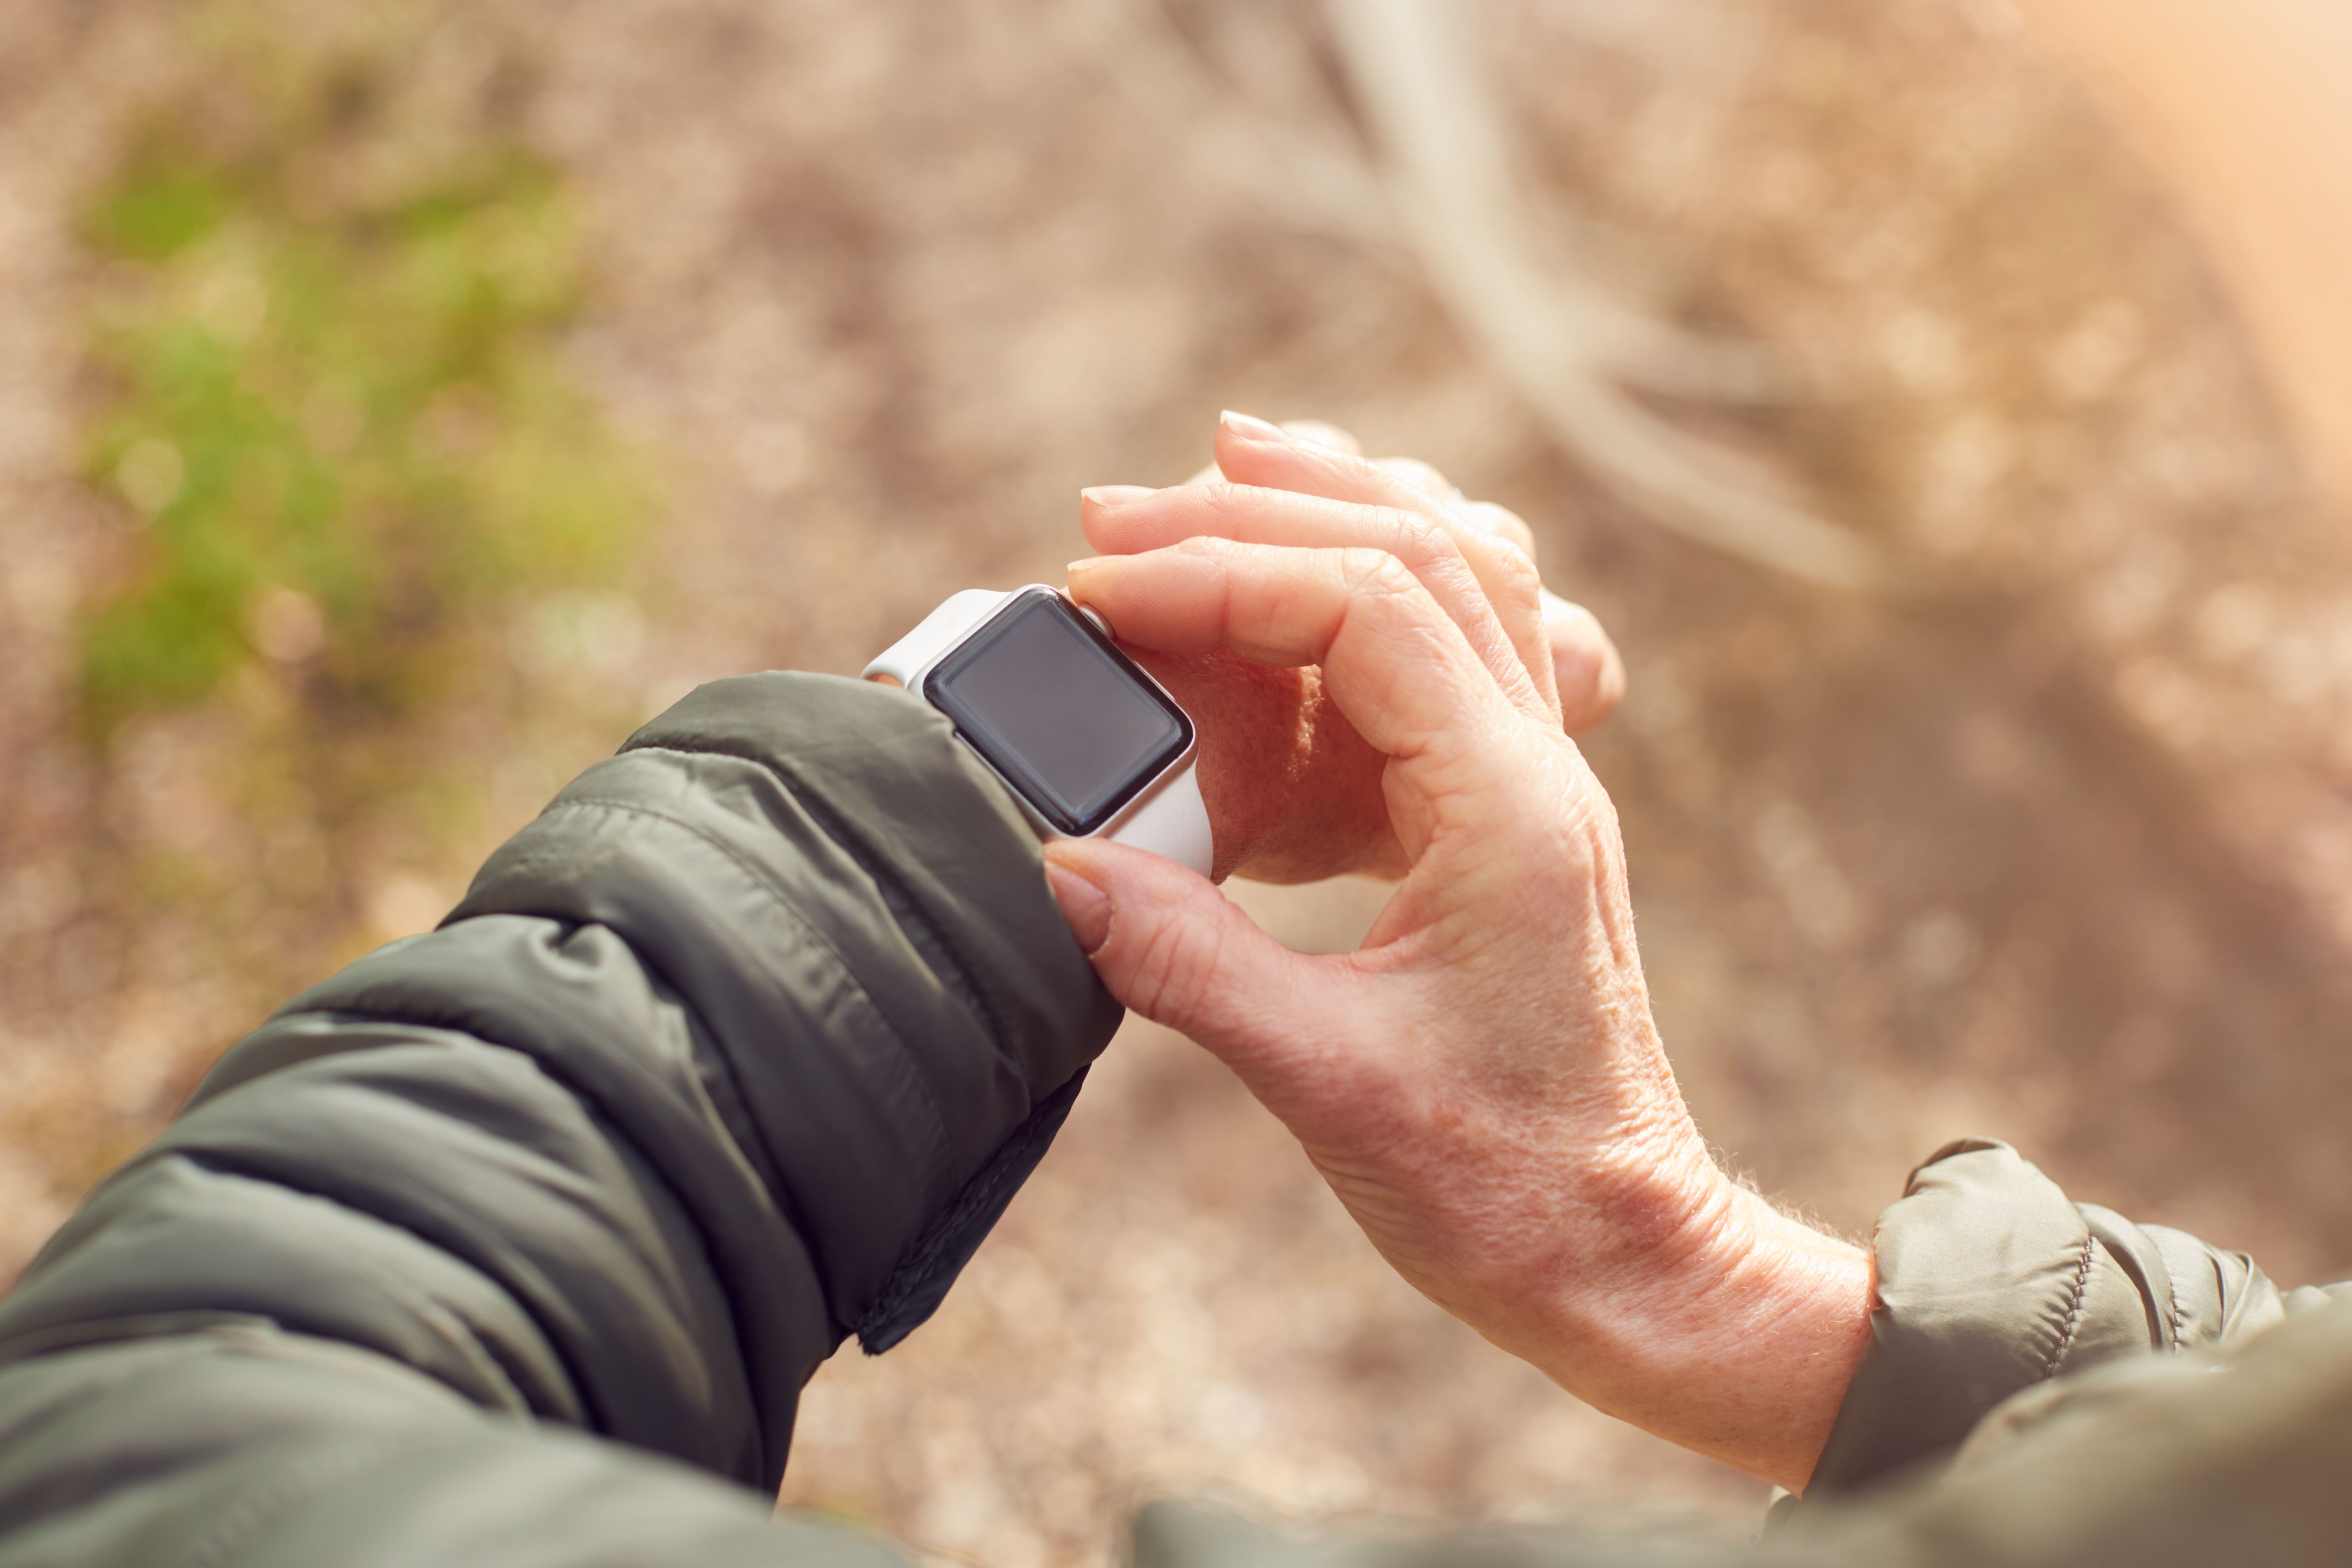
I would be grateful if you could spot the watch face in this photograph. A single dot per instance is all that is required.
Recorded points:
(1059, 711)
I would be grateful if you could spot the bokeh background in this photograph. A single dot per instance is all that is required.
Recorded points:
(400, 402)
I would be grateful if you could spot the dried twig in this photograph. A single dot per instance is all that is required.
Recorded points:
(1447, 190)
(1558, 341)
(1310, 176)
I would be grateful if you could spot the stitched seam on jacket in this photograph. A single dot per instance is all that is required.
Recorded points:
(788, 1210)
(922, 1081)
(460, 1017)
(301, 1479)
(652, 1084)
(110, 1332)
(219, 1163)
(970, 979)
(2074, 1309)
(470, 1030)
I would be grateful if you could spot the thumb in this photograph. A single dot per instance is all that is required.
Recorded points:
(1170, 947)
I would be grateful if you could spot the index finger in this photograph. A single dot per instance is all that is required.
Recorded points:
(1320, 432)
(1395, 663)
(1127, 524)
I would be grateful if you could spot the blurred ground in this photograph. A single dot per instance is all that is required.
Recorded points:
(2061, 853)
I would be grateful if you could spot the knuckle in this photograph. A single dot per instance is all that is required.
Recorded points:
(1380, 574)
(1506, 524)
(1225, 500)
(1208, 545)
(1514, 582)
(1418, 540)
(1420, 475)
(1516, 572)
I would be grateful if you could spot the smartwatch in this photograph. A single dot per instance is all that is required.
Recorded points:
(1090, 745)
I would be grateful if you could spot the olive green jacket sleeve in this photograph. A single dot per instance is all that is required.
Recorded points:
(2048, 1385)
(515, 1243)
(1991, 1284)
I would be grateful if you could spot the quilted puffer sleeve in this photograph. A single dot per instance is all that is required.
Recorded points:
(508, 1230)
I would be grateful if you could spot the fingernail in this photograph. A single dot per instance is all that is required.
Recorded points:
(1084, 905)
(1074, 567)
(1253, 429)
(1115, 495)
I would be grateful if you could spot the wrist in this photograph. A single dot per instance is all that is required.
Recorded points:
(1723, 1324)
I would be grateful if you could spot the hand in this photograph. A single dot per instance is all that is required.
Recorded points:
(1291, 788)
(1481, 1084)
(1587, 670)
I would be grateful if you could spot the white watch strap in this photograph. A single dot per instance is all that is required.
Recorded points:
(1168, 819)
(912, 657)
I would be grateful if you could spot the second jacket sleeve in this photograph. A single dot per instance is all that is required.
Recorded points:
(1992, 1283)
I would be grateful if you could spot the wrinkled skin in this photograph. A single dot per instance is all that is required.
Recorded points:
(1482, 1083)
(1292, 790)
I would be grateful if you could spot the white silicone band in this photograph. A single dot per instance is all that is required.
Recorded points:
(908, 659)
(1168, 818)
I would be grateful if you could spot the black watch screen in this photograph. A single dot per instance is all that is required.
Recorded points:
(1059, 711)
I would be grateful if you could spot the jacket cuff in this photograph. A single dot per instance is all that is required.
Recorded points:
(1990, 1283)
(887, 997)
